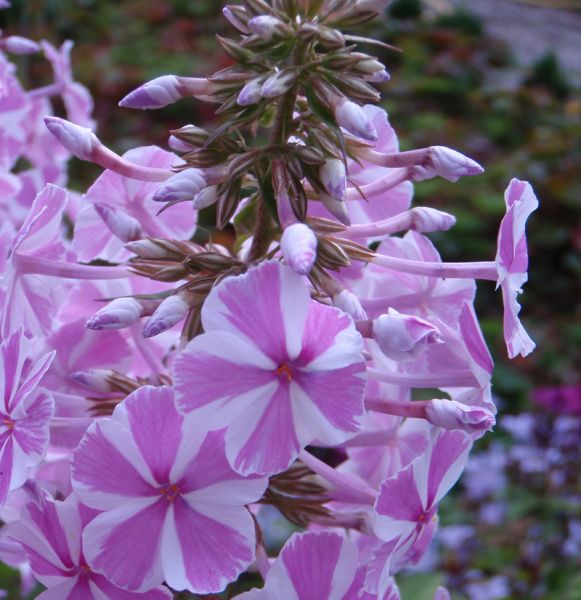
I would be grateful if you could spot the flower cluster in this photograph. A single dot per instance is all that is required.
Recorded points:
(160, 390)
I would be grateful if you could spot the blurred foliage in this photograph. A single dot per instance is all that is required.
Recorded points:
(452, 85)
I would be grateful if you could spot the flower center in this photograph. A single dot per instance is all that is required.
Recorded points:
(283, 371)
(8, 423)
(170, 492)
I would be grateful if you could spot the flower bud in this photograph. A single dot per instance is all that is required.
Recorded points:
(426, 219)
(171, 311)
(446, 163)
(179, 145)
(149, 248)
(97, 380)
(20, 45)
(205, 198)
(119, 313)
(451, 414)
(122, 225)
(378, 77)
(369, 66)
(334, 178)
(237, 16)
(349, 302)
(80, 141)
(353, 119)
(403, 337)
(181, 187)
(299, 248)
(251, 93)
(267, 27)
(278, 83)
(336, 207)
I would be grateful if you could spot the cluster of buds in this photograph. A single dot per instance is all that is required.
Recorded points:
(311, 329)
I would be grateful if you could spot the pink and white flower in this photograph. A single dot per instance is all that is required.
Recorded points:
(512, 263)
(173, 509)
(50, 533)
(25, 411)
(278, 376)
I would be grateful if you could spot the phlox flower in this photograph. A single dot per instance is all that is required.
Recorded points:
(311, 565)
(50, 533)
(25, 411)
(512, 263)
(278, 369)
(173, 509)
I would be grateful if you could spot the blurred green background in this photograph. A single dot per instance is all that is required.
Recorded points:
(449, 87)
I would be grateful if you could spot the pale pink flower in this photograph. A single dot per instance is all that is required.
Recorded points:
(311, 565)
(25, 411)
(278, 369)
(512, 263)
(95, 239)
(173, 509)
(50, 533)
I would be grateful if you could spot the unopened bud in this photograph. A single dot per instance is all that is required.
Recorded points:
(299, 248)
(20, 45)
(349, 302)
(426, 219)
(205, 198)
(334, 178)
(279, 83)
(336, 207)
(237, 17)
(192, 134)
(164, 90)
(179, 145)
(171, 311)
(80, 141)
(378, 77)
(119, 313)
(353, 119)
(97, 380)
(267, 27)
(181, 187)
(122, 225)
(403, 337)
(251, 93)
(446, 163)
(451, 414)
(149, 248)
(369, 66)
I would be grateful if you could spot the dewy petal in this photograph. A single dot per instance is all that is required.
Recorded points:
(124, 544)
(104, 471)
(268, 305)
(203, 552)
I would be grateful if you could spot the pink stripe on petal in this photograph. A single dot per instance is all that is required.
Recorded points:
(35, 374)
(213, 552)
(156, 427)
(399, 498)
(447, 460)
(13, 353)
(310, 560)
(41, 566)
(338, 395)
(6, 462)
(32, 433)
(99, 466)
(227, 308)
(272, 445)
(124, 544)
(218, 366)
(68, 590)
